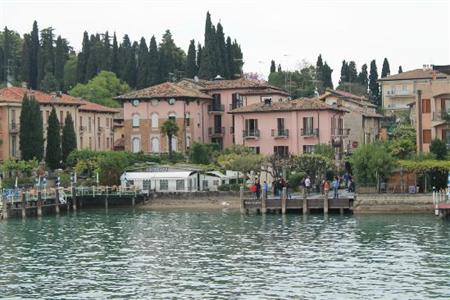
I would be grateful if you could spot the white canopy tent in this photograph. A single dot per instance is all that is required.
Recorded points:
(177, 181)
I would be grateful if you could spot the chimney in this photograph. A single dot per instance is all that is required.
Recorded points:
(24, 84)
(59, 94)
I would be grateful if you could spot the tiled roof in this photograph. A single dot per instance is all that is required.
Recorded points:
(90, 106)
(165, 90)
(15, 94)
(266, 91)
(360, 100)
(225, 84)
(414, 74)
(292, 105)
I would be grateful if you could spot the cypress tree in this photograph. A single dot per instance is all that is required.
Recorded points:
(400, 70)
(326, 76)
(363, 79)
(171, 58)
(1, 65)
(191, 63)
(69, 139)
(82, 59)
(352, 74)
(319, 75)
(34, 56)
(53, 151)
(344, 72)
(273, 68)
(26, 66)
(115, 56)
(142, 69)
(31, 130)
(199, 56)
(279, 70)
(131, 66)
(374, 89)
(153, 63)
(25, 130)
(221, 53)
(94, 61)
(106, 56)
(124, 54)
(385, 71)
(7, 54)
(60, 60)
(47, 54)
(207, 68)
(229, 50)
(237, 59)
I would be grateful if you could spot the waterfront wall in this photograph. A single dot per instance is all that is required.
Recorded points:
(393, 203)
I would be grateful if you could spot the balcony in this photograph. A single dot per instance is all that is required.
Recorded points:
(280, 133)
(82, 129)
(340, 132)
(309, 132)
(14, 128)
(441, 116)
(236, 105)
(402, 93)
(216, 108)
(251, 134)
(216, 131)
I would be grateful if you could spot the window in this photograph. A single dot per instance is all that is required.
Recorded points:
(81, 121)
(235, 101)
(135, 120)
(308, 124)
(146, 185)
(98, 142)
(172, 116)
(282, 151)
(426, 106)
(155, 121)
(61, 117)
(107, 143)
(136, 145)
(255, 149)
(155, 145)
(251, 127)
(81, 142)
(13, 146)
(187, 120)
(216, 100)
(98, 121)
(174, 143)
(164, 185)
(427, 136)
(216, 182)
(308, 148)
(90, 143)
(90, 129)
(205, 184)
(280, 124)
(180, 184)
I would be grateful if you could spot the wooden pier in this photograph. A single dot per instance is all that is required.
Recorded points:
(441, 203)
(304, 204)
(37, 202)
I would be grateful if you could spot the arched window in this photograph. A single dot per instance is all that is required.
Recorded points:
(136, 120)
(155, 120)
(174, 143)
(188, 142)
(155, 145)
(172, 116)
(136, 147)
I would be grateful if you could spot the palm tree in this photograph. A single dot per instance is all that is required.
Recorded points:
(170, 128)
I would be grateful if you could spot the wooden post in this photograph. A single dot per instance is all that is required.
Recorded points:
(325, 203)
(106, 202)
(241, 197)
(264, 202)
(305, 208)
(74, 198)
(133, 201)
(39, 204)
(4, 208)
(57, 200)
(283, 200)
(24, 211)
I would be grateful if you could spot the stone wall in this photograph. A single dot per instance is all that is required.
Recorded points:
(393, 203)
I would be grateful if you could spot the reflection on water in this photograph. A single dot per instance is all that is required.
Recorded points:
(126, 254)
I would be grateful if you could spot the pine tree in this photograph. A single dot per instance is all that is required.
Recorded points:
(69, 139)
(199, 56)
(319, 75)
(2, 65)
(34, 56)
(26, 67)
(223, 66)
(131, 65)
(237, 60)
(124, 55)
(106, 56)
(61, 57)
(142, 68)
(7, 54)
(82, 59)
(208, 67)
(363, 79)
(47, 54)
(385, 71)
(352, 74)
(53, 150)
(326, 77)
(400, 70)
(374, 89)
(31, 130)
(191, 63)
(153, 63)
(25, 130)
(94, 61)
(344, 72)
(115, 65)
(273, 68)
(171, 58)
(279, 70)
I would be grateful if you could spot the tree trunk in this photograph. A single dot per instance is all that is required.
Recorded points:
(169, 137)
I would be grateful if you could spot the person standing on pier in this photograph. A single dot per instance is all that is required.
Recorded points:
(335, 187)
(258, 189)
(265, 187)
(307, 185)
(326, 187)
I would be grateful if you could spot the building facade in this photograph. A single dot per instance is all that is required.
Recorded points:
(290, 127)
(81, 111)
(362, 117)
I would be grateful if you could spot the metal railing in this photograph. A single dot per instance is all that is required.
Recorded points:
(309, 131)
(340, 131)
(216, 131)
(251, 133)
(282, 133)
(441, 116)
(216, 108)
(14, 127)
(236, 105)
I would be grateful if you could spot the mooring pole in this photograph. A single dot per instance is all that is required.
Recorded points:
(325, 203)
(283, 200)
(24, 211)
(106, 202)
(74, 198)
(241, 197)
(39, 204)
(133, 201)
(4, 208)
(264, 202)
(305, 208)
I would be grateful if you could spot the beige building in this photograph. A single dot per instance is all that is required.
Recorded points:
(85, 115)
(362, 118)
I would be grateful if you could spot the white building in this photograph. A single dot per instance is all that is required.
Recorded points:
(168, 182)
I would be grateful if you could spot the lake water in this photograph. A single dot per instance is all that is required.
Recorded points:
(223, 255)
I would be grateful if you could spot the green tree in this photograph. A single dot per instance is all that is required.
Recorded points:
(46, 56)
(70, 72)
(69, 138)
(53, 151)
(200, 153)
(273, 68)
(374, 87)
(111, 166)
(326, 76)
(49, 83)
(299, 83)
(363, 78)
(385, 71)
(439, 149)
(106, 53)
(171, 58)
(170, 128)
(244, 162)
(223, 66)
(191, 62)
(153, 63)
(83, 59)
(115, 64)
(352, 74)
(101, 89)
(94, 60)
(34, 56)
(208, 66)
(142, 69)
(324, 150)
(31, 130)
(313, 165)
(344, 72)
(319, 75)
(26, 67)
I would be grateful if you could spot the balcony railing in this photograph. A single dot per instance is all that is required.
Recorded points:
(83, 128)
(216, 108)
(441, 116)
(235, 105)
(309, 132)
(280, 133)
(216, 131)
(402, 93)
(340, 131)
(14, 127)
(251, 134)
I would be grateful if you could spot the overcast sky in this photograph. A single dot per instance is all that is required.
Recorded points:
(408, 32)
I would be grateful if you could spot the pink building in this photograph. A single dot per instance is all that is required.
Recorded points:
(199, 107)
(289, 127)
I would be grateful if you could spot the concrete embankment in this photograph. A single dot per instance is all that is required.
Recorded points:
(393, 203)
